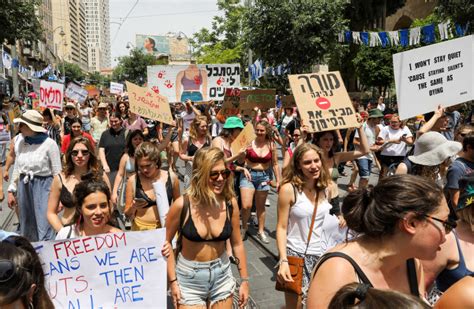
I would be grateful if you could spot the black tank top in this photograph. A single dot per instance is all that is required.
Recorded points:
(65, 196)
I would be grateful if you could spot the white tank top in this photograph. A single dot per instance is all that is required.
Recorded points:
(299, 222)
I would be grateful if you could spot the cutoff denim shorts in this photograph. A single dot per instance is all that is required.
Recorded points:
(260, 180)
(204, 282)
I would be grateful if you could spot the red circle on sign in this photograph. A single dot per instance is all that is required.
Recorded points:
(323, 103)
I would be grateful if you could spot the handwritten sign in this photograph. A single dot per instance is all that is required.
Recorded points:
(323, 101)
(51, 95)
(288, 101)
(76, 92)
(261, 98)
(116, 88)
(148, 104)
(441, 73)
(116, 270)
(244, 138)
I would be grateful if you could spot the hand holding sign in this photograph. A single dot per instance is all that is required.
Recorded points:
(243, 139)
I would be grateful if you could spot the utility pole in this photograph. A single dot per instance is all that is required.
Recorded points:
(248, 4)
(16, 88)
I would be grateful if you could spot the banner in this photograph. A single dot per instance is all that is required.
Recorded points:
(116, 88)
(76, 92)
(115, 270)
(148, 104)
(323, 101)
(201, 82)
(261, 98)
(152, 44)
(288, 101)
(244, 138)
(51, 95)
(437, 74)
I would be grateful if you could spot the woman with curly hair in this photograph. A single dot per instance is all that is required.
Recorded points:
(80, 158)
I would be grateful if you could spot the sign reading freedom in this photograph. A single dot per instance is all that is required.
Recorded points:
(148, 104)
(115, 270)
(441, 73)
(323, 101)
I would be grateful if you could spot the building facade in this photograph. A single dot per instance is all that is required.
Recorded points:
(98, 34)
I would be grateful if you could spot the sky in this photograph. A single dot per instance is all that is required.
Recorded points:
(156, 17)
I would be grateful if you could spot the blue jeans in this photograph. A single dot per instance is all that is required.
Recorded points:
(260, 180)
(365, 166)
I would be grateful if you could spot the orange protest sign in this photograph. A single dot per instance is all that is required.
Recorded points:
(230, 107)
(261, 98)
(323, 101)
(243, 139)
(148, 104)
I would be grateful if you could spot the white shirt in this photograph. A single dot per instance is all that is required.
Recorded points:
(37, 159)
(381, 106)
(65, 230)
(187, 120)
(388, 133)
(370, 133)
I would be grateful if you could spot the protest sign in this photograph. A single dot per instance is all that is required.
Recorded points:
(244, 138)
(116, 88)
(441, 73)
(115, 270)
(230, 107)
(288, 101)
(92, 90)
(261, 98)
(323, 101)
(51, 95)
(201, 82)
(148, 104)
(76, 92)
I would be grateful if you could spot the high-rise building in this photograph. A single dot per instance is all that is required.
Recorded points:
(71, 43)
(98, 34)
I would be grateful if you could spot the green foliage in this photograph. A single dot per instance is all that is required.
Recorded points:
(459, 11)
(133, 67)
(73, 72)
(95, 78)
(19, 21)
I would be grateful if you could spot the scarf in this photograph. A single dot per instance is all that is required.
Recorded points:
(38, 138)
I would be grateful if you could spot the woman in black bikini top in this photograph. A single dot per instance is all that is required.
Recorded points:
(402, 219)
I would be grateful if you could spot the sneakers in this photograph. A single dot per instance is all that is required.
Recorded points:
(263, 238)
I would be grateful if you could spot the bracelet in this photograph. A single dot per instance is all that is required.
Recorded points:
(175, 279)
(244, 279)
(282, 261)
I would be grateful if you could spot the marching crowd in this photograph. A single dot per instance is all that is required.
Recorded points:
(409, 239)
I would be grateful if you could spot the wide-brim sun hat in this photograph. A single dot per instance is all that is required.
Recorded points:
(375, 113)
(432, 148)
(103, 105)
(233, 123)
(33, 119)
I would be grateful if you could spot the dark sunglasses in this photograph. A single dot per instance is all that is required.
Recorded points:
(8, 270)
(224, 173)
(69, 108)
(85, 153)
(448, 225)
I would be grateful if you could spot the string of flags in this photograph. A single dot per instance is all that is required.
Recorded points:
(9, 62)
(404, 37)
(257, 70)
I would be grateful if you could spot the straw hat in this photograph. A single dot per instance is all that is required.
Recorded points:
(33, 119)
(432, 148)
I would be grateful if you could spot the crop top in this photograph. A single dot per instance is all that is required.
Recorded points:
(65, 195)
(252, 156)
(140, 193)
(191, 84)
(189, 230)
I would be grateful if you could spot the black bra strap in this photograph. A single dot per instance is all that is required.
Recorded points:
(412, 278)
(356, 267)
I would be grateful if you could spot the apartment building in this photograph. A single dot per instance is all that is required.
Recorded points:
(98, 34)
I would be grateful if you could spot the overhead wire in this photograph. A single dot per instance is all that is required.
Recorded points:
(123, 21)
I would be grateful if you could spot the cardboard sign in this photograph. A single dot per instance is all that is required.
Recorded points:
(92, 90)
(261, 98)
(116, 88)
(288, 101)
(51, 95)
(244, 138)
(323, 101)
(115, 270)
(201, 82)
(76, 92)
(148, 104)
(441, 73)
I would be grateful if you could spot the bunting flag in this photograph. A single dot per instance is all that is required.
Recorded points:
(348, 36)
(415, 34)
(6, 60)
(9, 63)
(374, 39)
(404, 37)
(364, 36)
(428, 34)
(340, 37)
(356, 37)
(384, 39)
(394, 39)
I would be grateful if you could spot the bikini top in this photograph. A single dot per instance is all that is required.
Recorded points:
(65, 196)
(335, 172)
(140, 193)
(190, 232)
(129, 167)
(253, 157)
(192, 149)
(449, 277)
(191, 84)
(411, 271)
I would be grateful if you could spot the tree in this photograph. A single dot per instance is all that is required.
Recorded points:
(95, 78)
(460, 11)
(19, 21)
(73, 72)
(133, 67)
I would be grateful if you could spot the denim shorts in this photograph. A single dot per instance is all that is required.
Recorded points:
(204, 282)
(365, 166)
(260, 180)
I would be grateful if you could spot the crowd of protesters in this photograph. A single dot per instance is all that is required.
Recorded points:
(90, 168)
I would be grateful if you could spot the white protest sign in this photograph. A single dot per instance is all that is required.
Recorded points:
(51, 95)
(116, 88)
(115, 270)
(76, 92)
(437, 74)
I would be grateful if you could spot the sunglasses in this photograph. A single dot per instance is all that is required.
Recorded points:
(224, 173)
(448, 225)
(8, 270)
(85, 153)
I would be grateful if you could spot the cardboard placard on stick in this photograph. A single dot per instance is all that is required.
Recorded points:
(288, 101)
(230, 107)
(261, 98)
(148, 104)
(51, 95)
(323, 101)
(244, 138)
